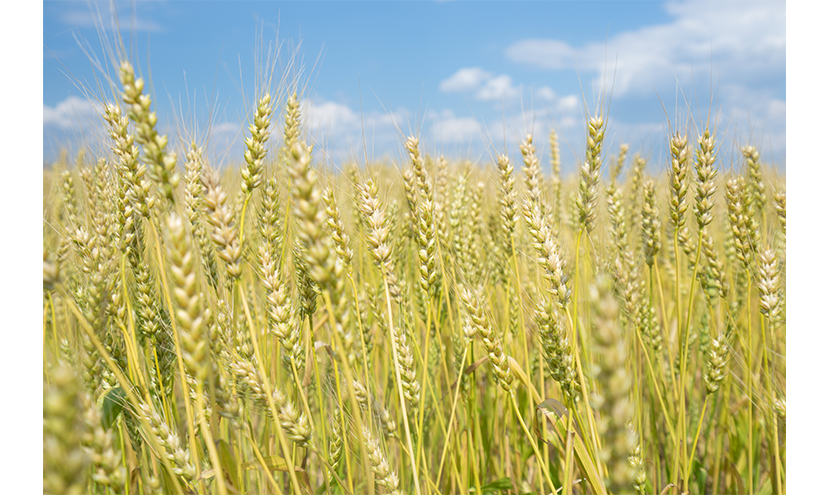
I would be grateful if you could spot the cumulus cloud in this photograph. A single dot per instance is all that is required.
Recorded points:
(89, 19)
(322, 116)
(70, 113)
(485, 134)
(569, 103)
(754, 115)
(330, 115)
(484, 85)
(546, 93)
(498, 88)
(741, 40)
(541, 108)
(489, 87)
(447, 128)
(75, 121)
(465, 79)
(226, 128)
(340, 128)
(735, 50)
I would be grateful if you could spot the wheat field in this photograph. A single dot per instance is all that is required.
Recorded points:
(425, 326)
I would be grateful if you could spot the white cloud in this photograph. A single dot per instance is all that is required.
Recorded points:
(126, 22)
(543, 53)
(70, 113)
(777, 108)
(546, 93)
(498, 88)
(340, 129)
(329, 115)
(447, 128)
(226, 128)
(754, 115)
(465, 79)
(740, 40)
(485, 85)
(226, 136)
(476, 134)
(489, 87)
(569, 103)
(731, 52)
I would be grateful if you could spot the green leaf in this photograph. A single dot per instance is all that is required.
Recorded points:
(733, 470)
(699, 472)
(228, 461)
(552, 413)
(277, 463)
(114, 402)
(549, 412)
(497, 486)
(274, 463)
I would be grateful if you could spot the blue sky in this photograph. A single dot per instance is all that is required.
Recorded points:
(467, 76)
